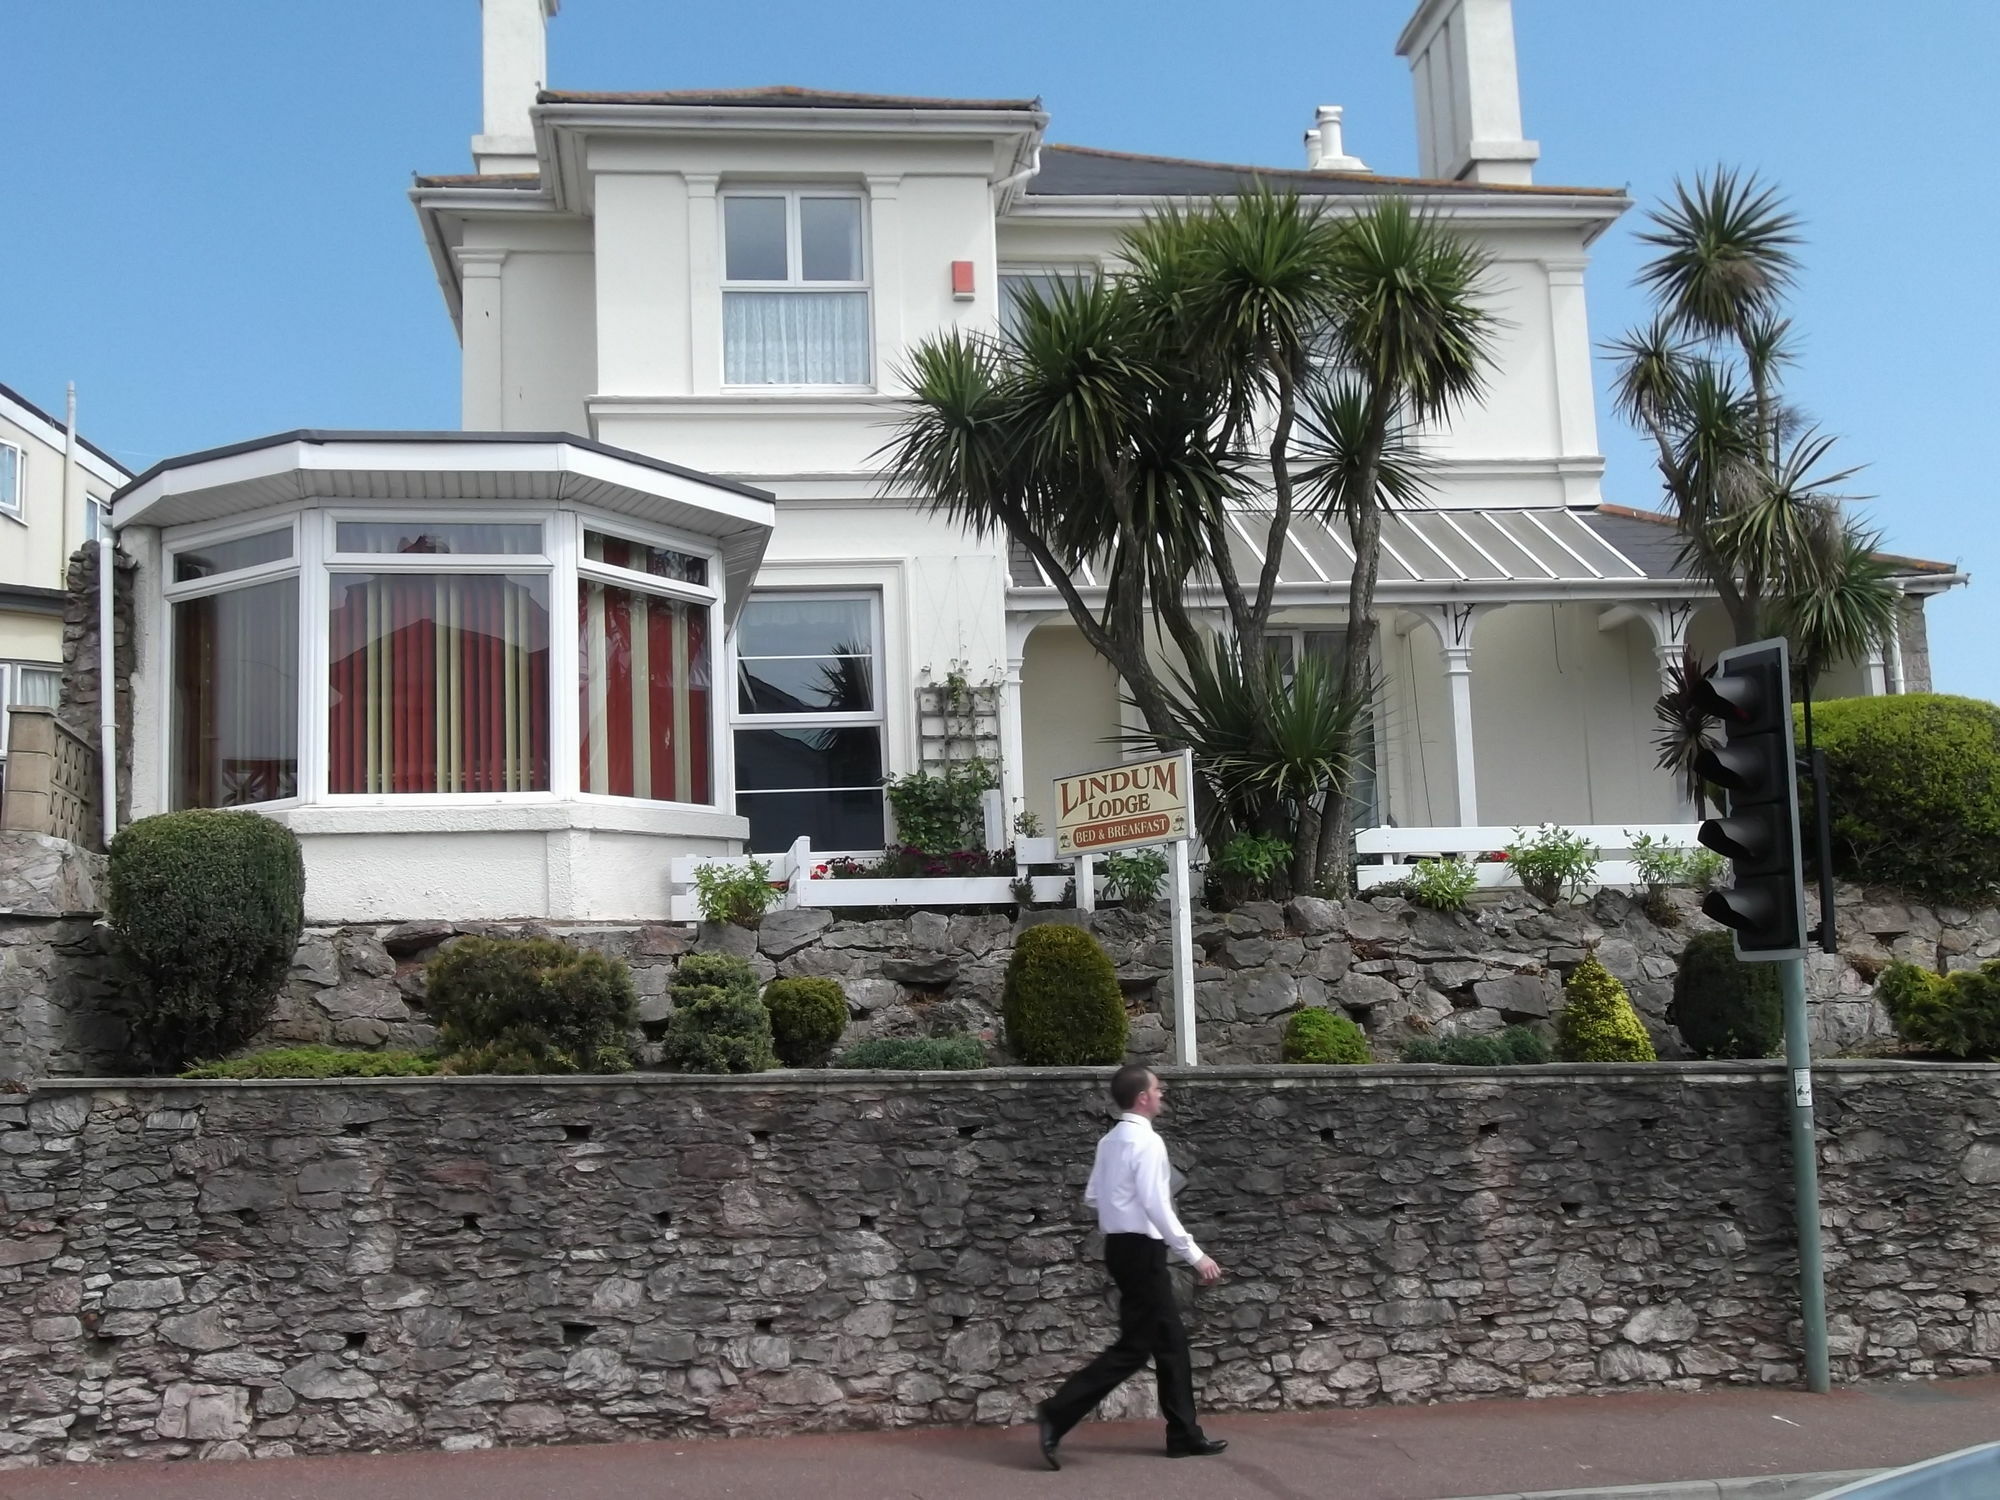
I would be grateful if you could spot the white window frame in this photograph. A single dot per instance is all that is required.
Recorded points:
(18, 509)
(1079, 270)
(192, 538)
(314, 560)
(794, 280)
(876, 718)
(96, 518)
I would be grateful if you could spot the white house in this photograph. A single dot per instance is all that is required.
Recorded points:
(657, 598)
(55, 490)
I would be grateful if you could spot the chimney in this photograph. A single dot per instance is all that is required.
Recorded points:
(1324, 153)
(515, 53)
(1461, 56)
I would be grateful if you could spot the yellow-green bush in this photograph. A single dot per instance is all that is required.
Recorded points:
(1061, 1003)
(1598, 1023)
(530, 1005)
(718, 1024)
(1320, 1036)
(1916, 792)
(1957, 1014)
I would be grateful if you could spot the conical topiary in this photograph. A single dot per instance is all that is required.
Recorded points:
(1062, 1004)
(1598, 1023)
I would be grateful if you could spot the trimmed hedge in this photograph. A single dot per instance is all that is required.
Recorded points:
(807, 1017)
(1723, 1007)
(530, 1005)
(206, 909)
(1957, 1014)
(1516, 1047)
(1061, 1003)
(1598, 1023)
(956, 1053)
(718, 1024)
(1916, 793)
(1320, 1036)
(319, 1062)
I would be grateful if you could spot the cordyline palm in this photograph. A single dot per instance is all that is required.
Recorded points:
(1409, 327)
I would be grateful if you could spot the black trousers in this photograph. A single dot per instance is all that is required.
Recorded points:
(1149, 1325)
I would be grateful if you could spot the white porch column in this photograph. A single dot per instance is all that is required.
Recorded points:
(482, 377)
(1454, 624)
(1877, 673)
(1013, 738)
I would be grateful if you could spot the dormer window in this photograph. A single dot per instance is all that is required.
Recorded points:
(795, 289)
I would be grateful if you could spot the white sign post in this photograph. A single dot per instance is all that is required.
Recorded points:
(1126, 807)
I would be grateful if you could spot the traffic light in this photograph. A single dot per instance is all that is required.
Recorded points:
(1750, 692)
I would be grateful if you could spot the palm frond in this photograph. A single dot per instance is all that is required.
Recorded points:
(1685, 729)
(1331, 446)
(1837, 601)
(1726, 260)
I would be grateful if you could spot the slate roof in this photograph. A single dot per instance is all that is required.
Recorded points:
(786, 96)
(1086, 171)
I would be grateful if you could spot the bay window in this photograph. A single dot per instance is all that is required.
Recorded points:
(795, 288)
(446, 655)
(809, 720)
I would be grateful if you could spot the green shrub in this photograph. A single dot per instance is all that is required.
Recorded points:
(1135, 877)
(738, 894)
(718, 1024)
(931, 1053)
(530, 1005)
(1957, 1014)
(1552, 862)
(206, 910)
(319, 1062)
(1442, 884)
(1916, 792)
(1723, 1007)
(1320, 1036)
(1598, 1023)
(1516, 1047)
(1061, 1001)
(807, 1017)
(1244, 867)
(939, 812)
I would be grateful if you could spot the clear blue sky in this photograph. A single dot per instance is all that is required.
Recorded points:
(204, 222)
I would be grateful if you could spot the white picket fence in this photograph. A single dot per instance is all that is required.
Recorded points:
(1396, 849)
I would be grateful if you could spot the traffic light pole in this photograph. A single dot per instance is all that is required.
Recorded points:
(1805, 1172)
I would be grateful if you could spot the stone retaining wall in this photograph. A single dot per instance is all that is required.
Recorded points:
(231, 1269)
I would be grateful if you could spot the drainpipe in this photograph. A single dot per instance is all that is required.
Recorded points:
(107, 655)
(68, 487)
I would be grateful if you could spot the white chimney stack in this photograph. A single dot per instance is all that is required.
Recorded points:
(1461, 56)
(515, 55)
(1324, 152)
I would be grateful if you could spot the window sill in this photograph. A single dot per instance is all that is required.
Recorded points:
(553, 815)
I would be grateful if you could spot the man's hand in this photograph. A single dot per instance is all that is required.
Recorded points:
(1208, 1271)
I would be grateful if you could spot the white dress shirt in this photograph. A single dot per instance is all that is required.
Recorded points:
(1131, 1187)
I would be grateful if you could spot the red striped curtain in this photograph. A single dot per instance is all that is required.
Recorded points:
(645, 680)
(440, 683)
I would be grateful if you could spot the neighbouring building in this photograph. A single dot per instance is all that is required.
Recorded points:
(658, 599)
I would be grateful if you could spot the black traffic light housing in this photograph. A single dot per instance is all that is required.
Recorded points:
(1755, 765)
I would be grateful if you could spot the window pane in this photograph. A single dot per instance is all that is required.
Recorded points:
(796, 759)
(831, 820)
(753, 236)
(795, 338)
(10, 478)
(805, 685)
(830, 239)
(37, 687)
(508, 539)
(227, 557)
(645, 673)
(1018, 287)
(661, 562)
(440, 683)
(236, 696)
(782, 625)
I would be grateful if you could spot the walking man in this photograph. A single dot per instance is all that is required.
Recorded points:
(1131, 1189)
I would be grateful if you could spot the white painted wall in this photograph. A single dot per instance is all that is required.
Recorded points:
(1069, 713)
(35, 546)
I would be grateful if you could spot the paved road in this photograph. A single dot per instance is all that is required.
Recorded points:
(1386, 1453)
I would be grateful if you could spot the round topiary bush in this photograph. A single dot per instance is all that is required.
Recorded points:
(1723, 1007)
(1916, 792)
(1061, 1003)
(206, 910)
(808, 1016)
(1598, 1023)
(1320, 1036)
(718, 1024)
(530, 1005)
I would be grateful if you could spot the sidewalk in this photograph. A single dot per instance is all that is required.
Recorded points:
(1485, 1448)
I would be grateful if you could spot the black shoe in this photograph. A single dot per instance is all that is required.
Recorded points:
(1046, 1430)
(1201, 1447)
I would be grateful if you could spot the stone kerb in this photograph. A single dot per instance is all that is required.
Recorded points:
(263, 1268)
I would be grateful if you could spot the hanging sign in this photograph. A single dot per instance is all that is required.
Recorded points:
(1122, 807)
